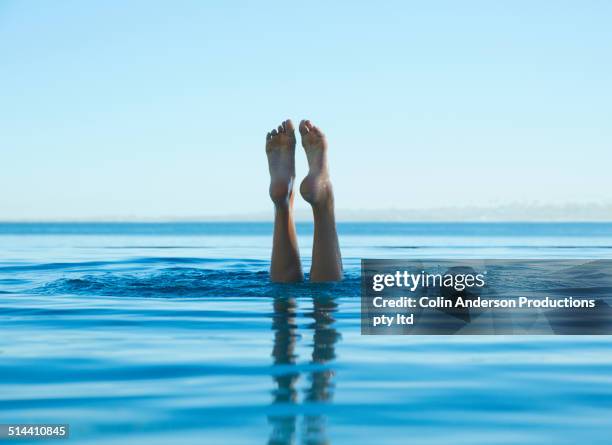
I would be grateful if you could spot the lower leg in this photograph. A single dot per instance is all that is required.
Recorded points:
(326, 259)
(286, 266)
(280, 149)
(317, 190)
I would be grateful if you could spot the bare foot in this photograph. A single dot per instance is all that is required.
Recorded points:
(316, 187)
(280, 148)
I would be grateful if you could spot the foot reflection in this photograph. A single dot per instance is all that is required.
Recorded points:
(320, 382)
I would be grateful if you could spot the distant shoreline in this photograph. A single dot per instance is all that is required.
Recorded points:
(515, 212)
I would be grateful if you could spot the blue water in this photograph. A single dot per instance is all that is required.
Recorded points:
(172, 333)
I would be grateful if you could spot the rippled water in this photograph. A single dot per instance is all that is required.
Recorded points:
(151, 333)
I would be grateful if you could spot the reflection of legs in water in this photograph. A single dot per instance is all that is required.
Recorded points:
(321, 386)
(316, 188)
(280, 149)
(283, 432)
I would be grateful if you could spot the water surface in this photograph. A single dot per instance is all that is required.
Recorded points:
(151, 333)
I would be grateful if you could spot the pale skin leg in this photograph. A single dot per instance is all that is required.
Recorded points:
(280, 149)
(316, 188)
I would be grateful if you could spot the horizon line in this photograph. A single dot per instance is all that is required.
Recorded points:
(255, 221)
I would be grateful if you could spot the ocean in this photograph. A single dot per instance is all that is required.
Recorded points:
(161, 333)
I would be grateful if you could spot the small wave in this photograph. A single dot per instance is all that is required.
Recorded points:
(131, 261)
(54, 266)
(191, 282)
(12, 281)
(94, 370)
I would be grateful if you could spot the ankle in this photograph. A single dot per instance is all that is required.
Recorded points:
(318, 192)
(281, 194)
(324, 204)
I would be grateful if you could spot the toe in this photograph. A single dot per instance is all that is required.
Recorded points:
(308, 124)
(280, 129)
(288, 126)
(303, 128)
(274, 132)
(268, 144)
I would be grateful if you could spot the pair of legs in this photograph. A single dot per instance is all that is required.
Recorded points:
(316, 188)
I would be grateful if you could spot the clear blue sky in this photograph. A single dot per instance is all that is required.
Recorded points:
(149, 109)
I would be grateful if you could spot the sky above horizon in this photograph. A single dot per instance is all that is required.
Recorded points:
(159, 109)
